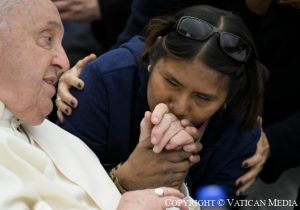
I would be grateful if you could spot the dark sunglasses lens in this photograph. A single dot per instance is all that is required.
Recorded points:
(234, 47)
(194, 28)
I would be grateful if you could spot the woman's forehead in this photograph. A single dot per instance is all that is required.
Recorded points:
(192, 73)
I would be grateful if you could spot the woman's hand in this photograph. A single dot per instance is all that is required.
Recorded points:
(149, 200)
(64, 100)
(146, 169)
(255, 163)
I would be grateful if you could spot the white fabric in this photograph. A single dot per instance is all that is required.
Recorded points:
(190, 202)
(59, 173)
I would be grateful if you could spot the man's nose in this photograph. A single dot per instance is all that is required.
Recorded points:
(61, 60)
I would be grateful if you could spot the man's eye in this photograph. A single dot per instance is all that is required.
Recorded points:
(48, 39)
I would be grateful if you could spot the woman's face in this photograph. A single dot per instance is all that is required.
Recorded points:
(190, 89)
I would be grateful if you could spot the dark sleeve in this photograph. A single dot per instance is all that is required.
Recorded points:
(243, 148)
(114, 16)
(221, 163)
(284, 140)
(89, 121)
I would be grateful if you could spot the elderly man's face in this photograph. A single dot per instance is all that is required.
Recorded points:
(31, 59)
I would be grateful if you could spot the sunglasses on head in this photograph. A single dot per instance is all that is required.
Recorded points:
(200, 30)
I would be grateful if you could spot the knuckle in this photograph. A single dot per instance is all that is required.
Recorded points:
(185, 136)
(183, 155)
(175, 126)
(168, 117)
(166, 169)
(155, 131)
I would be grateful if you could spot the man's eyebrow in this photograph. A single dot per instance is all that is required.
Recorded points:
(55, 24)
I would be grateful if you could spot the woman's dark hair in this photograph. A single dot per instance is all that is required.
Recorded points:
(246, 78)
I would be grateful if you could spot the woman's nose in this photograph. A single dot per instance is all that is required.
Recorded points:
(179, 107)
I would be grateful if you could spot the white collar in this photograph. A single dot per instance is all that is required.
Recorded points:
(6, 115)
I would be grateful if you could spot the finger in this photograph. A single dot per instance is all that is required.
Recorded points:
(81, 63)
(145, 143)
(185, 122)
(244, 187)
(180, 139)
(146, 126)
(168, 191)
(63, 107)
(194, 148)
(60, 116)
(159, 129)
(194, 159)
(175, 156)
(252, 161)
(64, 94)
(172, 130)
(158, 113)
(179, 170)
(250, 175)
(172, 201)
(71, 79)
(194, 132)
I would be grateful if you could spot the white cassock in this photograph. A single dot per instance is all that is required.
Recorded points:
(46, 168)
(55, 171)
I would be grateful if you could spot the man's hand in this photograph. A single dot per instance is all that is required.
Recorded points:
(149, 200)
(64, 100)
(167, 132)
(78, 10)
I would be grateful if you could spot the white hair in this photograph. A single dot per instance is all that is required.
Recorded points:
(5, 8)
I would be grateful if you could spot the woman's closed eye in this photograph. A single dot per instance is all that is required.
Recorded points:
(172, 82)
(203, 97)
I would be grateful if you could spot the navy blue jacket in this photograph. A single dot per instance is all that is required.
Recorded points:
(112, 106)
